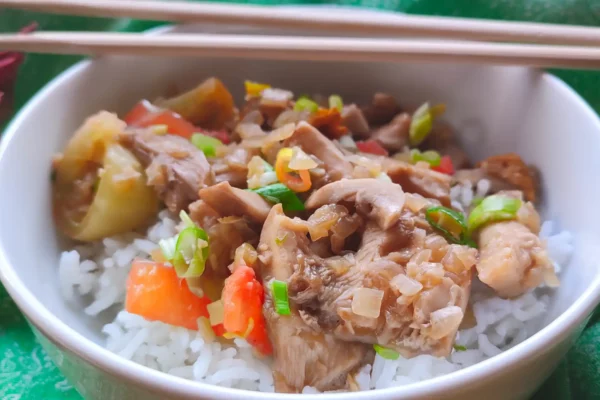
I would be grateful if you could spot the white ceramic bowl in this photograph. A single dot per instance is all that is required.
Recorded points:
(495, 109)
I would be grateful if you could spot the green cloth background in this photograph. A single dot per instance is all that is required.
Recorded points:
(26, 372)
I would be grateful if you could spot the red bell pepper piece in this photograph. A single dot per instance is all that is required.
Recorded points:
(446, 166)
(372, 147)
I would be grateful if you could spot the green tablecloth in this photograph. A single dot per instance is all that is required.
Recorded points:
(25, 370)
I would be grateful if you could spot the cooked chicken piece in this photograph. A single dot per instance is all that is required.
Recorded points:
(230, 201)
(203, 214)
(232, 164)
(354, 119)
(381, 200)
(303, 356)
(417, 179)
(443, 140)
(512, 169)
(382, 109)
(405, 287)
(226, 234)
(394, 135)
(175, 167)
(315, 143)
(513, 259)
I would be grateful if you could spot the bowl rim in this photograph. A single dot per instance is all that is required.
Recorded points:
(74, 342)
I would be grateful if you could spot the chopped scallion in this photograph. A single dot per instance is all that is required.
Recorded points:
(279, 193)
(386, 353)
(458, 347)
(280, 297)
(207, 144)
(420, 125)
(491, 209)
(191, 252)
(335, 101)
(186, 219)
(430, 156)
(167, 246)
(306, 104)
(450, 223)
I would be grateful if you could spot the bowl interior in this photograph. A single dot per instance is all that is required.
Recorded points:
(494, 110)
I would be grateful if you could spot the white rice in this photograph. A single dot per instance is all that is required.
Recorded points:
(99, 271)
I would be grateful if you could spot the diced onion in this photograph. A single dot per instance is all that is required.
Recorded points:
(290, 116)
(372, 166)
(248, 130)
(406, 285)
(216, 312)
(301, 161)
(245, 254)
(281, 134)
(444, 322)
(367, 302)
(274, 95)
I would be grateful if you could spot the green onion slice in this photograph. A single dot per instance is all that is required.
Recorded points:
(191, 252)
(280, 297)
(335, 101)
(207, 144)
(386, 353)
(186, 219)
(430, 156)
(491, 209)
(458, 347)
(420, 125)
(449, 223)
(279, 193)
(306, 104)
(167, 246)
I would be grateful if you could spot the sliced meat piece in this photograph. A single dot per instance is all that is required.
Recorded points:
(303, 356)
(443, 140)
(511, 168)
(175, 167)
(354, 119)
(203, 214)
(380, 199)
(232, 165)
(405, 287)
(394, 135)
(416, 179)
(513, 259)
(382, 109)
(311, 141)
(230, 201)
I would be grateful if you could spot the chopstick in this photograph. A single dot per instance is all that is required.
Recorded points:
(327, 20)
(302, 48)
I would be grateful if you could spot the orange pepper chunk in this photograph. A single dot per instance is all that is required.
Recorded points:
(155, 292)
(298, 183)
(329, 122)
(243, 298)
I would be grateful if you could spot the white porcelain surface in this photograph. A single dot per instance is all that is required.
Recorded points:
(495, 109)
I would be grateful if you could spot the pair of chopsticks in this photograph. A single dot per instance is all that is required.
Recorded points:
(529, 44)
